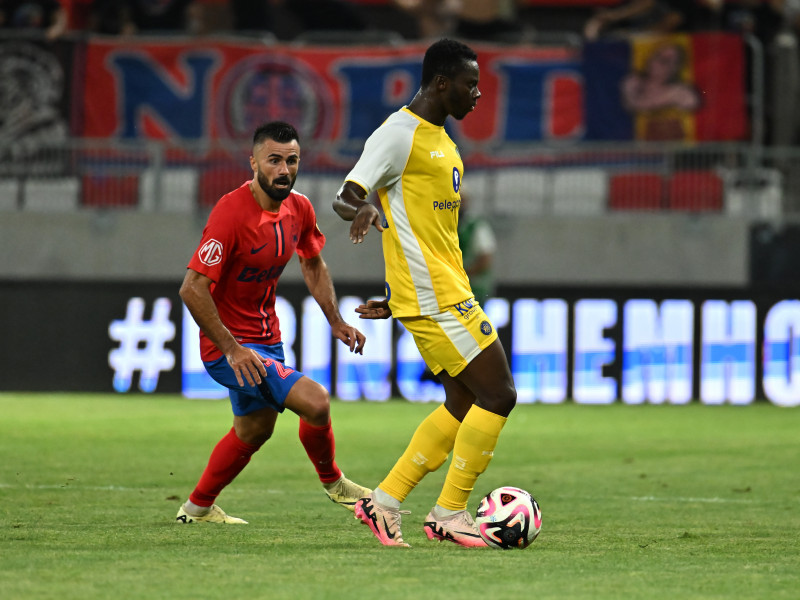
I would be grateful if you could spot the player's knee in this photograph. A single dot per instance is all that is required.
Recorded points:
(318, 407)
(254, 433)
(501, 401)
(259, 439)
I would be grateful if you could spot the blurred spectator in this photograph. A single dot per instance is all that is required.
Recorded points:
(250, 15)
(288, 18)
(490, 20)
(761, 18)
(699, 15)
(435, 18)
(45, 15)
(635, 16)
(325, 14)
(128, 17)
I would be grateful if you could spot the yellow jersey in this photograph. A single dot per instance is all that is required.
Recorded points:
(416, 169)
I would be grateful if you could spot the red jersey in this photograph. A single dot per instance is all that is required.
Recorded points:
(244, 249)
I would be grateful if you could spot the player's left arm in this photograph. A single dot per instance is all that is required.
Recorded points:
(319, 283)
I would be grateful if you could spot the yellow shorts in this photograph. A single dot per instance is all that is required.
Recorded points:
(451, 339)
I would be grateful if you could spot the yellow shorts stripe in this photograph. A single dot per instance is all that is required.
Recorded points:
(450, 340)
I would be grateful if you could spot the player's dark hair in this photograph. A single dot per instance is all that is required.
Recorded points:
(445, 57)
(278, 131)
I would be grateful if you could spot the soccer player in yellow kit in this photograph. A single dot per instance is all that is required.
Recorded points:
(416, 169)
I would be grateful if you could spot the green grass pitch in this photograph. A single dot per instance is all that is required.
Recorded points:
(637, 502)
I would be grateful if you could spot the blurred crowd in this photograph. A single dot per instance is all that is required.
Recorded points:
(511, 21)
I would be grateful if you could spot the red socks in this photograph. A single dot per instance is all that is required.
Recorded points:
(321, 449)
(231, 455)
(227, 460)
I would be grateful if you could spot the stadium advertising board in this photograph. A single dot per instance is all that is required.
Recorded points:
(588, 346)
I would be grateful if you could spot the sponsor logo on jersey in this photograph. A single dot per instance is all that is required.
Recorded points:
(437, 154)
(447, 204)
(466, 309)
(456, 179)
(249, 274)
(210, 253)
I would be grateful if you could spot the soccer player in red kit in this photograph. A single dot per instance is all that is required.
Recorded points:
(229, 289)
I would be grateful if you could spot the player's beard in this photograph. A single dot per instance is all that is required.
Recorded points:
(276, 194)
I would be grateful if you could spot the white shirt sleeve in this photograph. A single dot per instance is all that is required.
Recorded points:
(385, 154)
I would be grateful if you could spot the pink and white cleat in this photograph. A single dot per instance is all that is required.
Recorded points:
(384, 521)
(458, 528)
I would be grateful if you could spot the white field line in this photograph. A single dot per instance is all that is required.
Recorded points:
(689, 499)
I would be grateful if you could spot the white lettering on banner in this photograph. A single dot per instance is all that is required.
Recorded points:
(539, 351)
(728, 365)
(656, 354)
(316, 337)
(593, 351)
(782, 353)
(141, 345)
(368, 375)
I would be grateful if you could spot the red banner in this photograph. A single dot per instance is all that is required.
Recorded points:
(339, 95)
(199, 92)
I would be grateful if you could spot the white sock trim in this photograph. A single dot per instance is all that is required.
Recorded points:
(385, 498)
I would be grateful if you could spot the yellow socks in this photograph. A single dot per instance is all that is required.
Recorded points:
(428, 449)
(474, 447)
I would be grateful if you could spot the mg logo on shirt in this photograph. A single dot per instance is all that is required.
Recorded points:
(456, 179)
(210, 253)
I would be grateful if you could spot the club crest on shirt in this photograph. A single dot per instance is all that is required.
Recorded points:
(486, 328)
(456, 179)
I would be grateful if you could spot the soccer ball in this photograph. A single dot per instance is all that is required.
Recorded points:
(509, 517)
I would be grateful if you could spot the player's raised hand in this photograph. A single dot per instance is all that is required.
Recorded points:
(247, 365)
(374, 309)
(366, 216)
(350, 336)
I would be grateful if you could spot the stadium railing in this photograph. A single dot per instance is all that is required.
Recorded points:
(578, 179)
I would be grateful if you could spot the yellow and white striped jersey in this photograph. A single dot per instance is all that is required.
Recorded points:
(416, 169)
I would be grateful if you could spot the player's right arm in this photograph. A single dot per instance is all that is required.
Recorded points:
(196, 295)
(351, 205)
(381, 165)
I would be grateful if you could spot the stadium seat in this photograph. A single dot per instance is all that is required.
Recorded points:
(753, 193)
(636, 191)
(215, 182)
(697, 191)
(520, 191)
(110, 191)
(9, 194)
(178, 191)
(477, 184)
(580, 192)
(58, 194)
(320, 189)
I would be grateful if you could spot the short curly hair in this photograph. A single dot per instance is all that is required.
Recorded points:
(445, 57)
